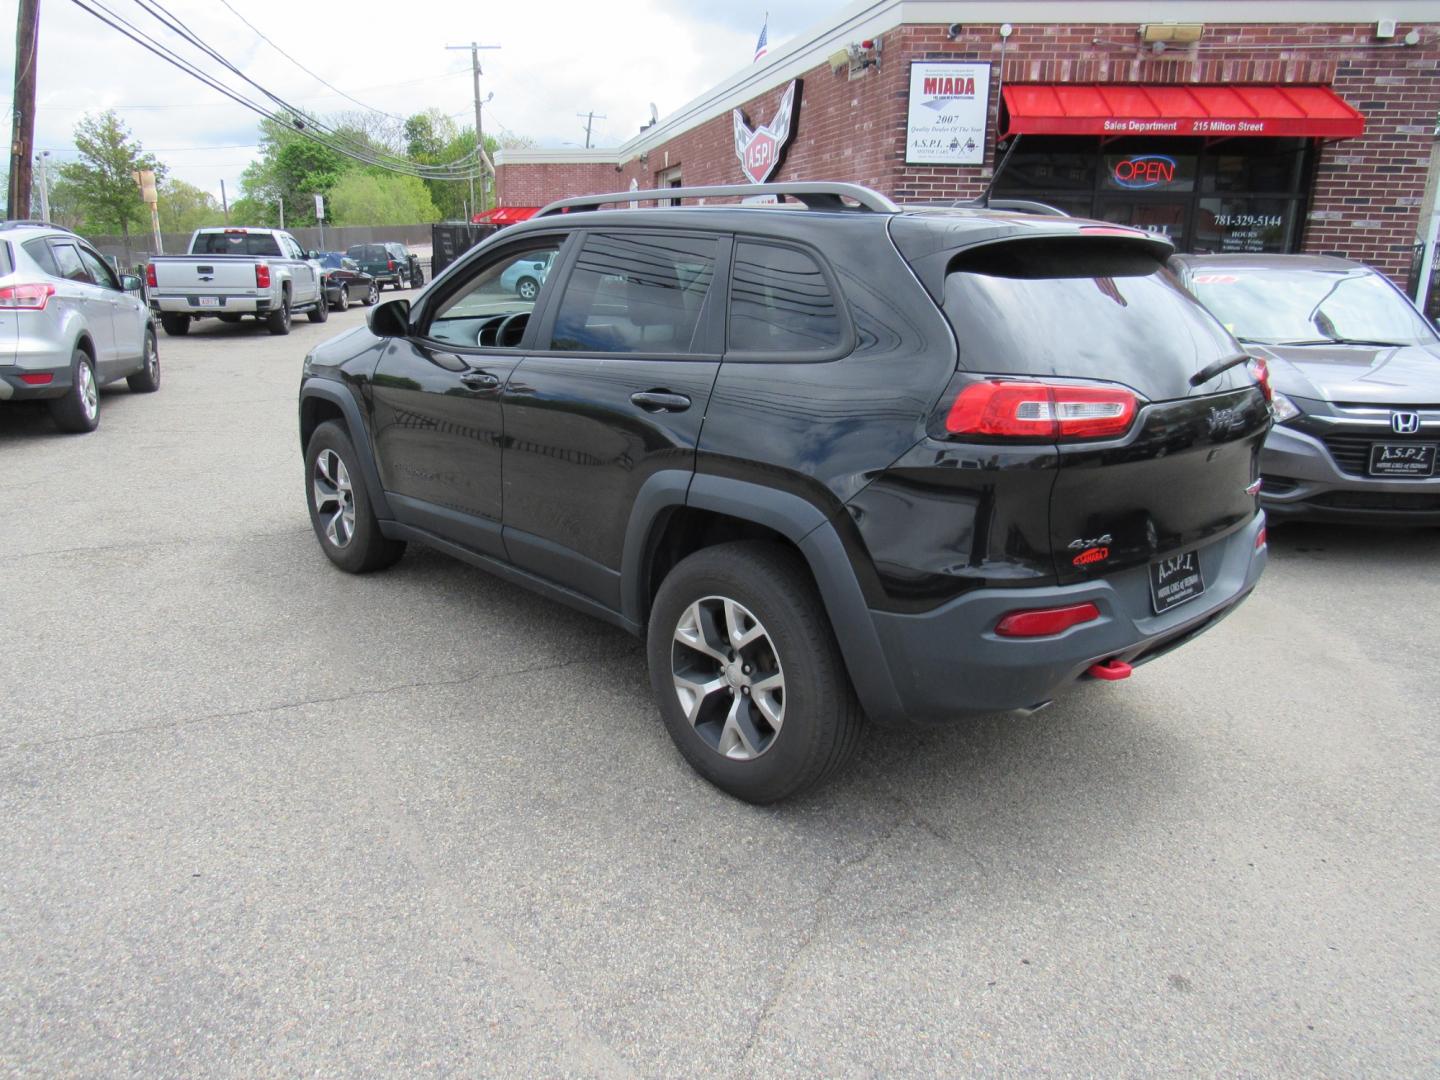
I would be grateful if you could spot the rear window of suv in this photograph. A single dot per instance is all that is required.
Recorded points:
(235, 243)
(1079, 308)
(39, 250)
(368, 253)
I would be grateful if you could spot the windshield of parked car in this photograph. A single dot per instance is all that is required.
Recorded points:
(235, 243)
(1277, 307)
(332, 260)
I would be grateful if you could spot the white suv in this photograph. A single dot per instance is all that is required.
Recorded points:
(68, 325)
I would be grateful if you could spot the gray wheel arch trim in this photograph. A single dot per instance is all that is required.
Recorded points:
(359, 438)
(797, 520)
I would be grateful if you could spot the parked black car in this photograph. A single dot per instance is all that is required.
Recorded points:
(1356, 372)
(345, 282)
(848, 460)
(389, 264)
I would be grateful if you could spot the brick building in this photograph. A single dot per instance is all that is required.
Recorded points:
(1229, 126)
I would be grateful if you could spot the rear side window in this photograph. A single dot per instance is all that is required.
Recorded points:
(633, 293)
(69, 261)
(1082, 308)
(234, 243)
(780, 302)
(39, 250)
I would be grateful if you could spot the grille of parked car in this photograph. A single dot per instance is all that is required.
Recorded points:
(1351, 448)
(1378, 500)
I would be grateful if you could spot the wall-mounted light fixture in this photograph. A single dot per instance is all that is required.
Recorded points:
(1172, 33)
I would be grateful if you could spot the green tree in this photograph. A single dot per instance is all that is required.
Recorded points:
(185, 208)
(256, 213)
(367, 198)
(293, 168)
(102, 181)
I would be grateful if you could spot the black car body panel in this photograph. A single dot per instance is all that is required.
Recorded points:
(565, 466)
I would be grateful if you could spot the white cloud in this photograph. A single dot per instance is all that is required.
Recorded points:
(556, 59)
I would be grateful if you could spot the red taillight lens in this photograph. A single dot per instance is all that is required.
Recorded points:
(1261, 371)
(1042, 622)
(390, 265)
(1260, 538)
(26, 297)
(150, 275)
(1041, 411)
(262, 275)
(38, 378)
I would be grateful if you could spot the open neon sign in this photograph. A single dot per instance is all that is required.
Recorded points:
(1144, 171)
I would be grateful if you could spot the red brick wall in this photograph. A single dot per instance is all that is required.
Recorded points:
(536, 185)
(1365, 205)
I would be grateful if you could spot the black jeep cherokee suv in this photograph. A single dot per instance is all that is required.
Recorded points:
(837, 461)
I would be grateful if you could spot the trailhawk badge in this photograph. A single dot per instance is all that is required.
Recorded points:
(760, 150)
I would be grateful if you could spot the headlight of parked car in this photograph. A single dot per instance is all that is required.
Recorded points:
(1283, 408)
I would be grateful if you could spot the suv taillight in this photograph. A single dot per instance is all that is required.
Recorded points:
(150, 275)
(262, 275)
(1035, 410)
(26, 297)
(1260, 370)
(390, 265)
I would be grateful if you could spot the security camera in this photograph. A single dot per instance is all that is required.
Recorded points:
(954, 30)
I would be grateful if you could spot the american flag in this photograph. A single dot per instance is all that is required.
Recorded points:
(760, 47)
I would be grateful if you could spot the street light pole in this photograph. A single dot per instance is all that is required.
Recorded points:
(474, 49)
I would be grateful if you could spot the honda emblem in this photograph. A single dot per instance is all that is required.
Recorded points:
(1404, 423)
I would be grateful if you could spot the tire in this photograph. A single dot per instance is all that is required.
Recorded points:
(175, 325)
(527, 288)
(770, 592)
(372, 295)
(228, 318)
(278, 321)
(342, 302)
(147, 379)
(351, 540)
(417, 278)
(79, 410)
(321, 311)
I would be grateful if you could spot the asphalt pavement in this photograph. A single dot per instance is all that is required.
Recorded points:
(259, 818)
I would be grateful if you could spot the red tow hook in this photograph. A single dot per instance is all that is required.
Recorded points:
(1110, 670)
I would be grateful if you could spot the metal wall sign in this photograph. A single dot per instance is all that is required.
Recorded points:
(949, 105)
(762, 149)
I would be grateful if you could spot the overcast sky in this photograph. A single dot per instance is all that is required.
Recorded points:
(557, 58)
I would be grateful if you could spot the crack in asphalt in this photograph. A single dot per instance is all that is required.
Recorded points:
(185, 721)
(151, 545)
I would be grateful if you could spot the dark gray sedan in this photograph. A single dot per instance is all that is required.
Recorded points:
(1356, 372)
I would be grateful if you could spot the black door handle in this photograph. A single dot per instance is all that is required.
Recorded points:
(660, 401)
(480, 380)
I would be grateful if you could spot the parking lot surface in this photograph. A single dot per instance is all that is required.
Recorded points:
(261, 818)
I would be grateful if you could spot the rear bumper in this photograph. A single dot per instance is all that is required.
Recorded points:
(949, 662)
(14, 388)
(1302, 482)
(169, 304)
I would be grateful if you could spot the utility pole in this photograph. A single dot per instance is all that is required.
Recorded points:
(224, 203)
(44, 185)
(590, 119)
(475, 71)
(22, 124)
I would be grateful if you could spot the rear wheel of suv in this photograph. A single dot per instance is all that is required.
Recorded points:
(340, 506)
(747, 673)
(79, 410)
(176, 325)
(321, 311)
(278, 321)
(147, 379)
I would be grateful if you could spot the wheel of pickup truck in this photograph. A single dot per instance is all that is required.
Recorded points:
(321, 311)
(278, 321)
(340, 510)
(175, 325)
(747, 673)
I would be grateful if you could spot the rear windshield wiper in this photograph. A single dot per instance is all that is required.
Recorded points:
(1209, 371)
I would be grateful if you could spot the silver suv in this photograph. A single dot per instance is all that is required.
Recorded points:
(69, 325)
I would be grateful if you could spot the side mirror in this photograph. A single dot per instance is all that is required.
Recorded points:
(540, 266)
(130, 283)
(390, 319)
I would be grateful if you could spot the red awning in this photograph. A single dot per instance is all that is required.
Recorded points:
(1217, 111)
(505, 215)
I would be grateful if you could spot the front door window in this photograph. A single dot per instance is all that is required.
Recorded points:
(492, 309)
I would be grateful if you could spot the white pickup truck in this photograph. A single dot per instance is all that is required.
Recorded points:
(233, 272)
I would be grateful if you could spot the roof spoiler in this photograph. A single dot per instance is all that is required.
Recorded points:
(814, 196)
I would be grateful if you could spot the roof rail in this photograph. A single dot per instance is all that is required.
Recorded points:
(821, 195)
(32, 223)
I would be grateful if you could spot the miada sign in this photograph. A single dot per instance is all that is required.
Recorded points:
(761, 149)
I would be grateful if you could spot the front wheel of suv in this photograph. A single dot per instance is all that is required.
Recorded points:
(340, 510)
(747, 673)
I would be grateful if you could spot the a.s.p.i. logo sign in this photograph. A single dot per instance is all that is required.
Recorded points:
(762, 148)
